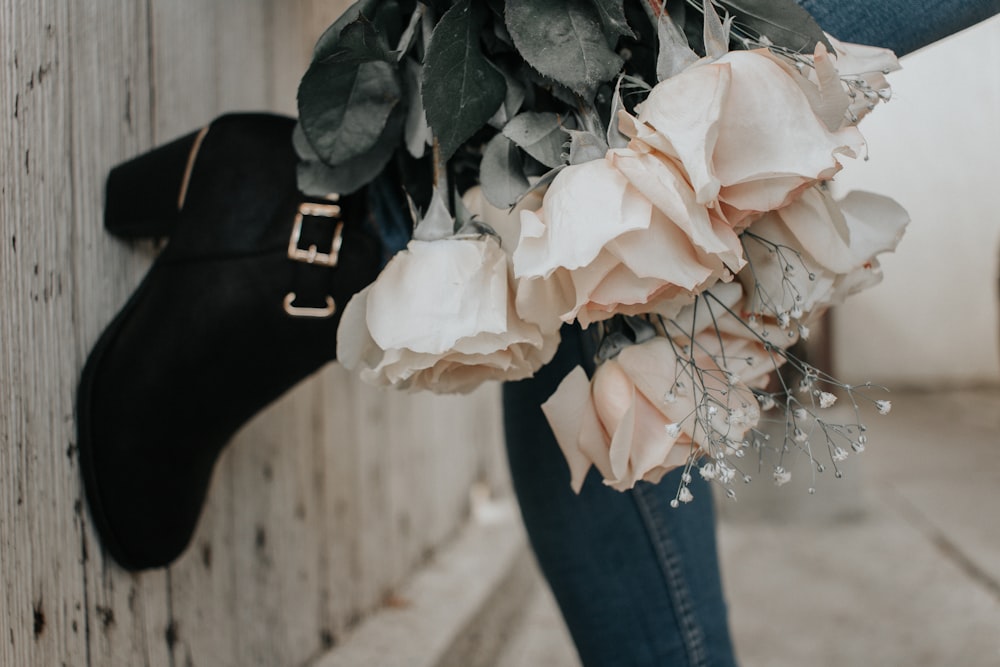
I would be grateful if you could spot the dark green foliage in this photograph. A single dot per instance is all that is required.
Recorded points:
(781, 21)
(346, 98)
(509, 89)
(461, 89)
(565, 41)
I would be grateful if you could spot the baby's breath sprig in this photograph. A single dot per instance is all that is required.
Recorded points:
(708, 373)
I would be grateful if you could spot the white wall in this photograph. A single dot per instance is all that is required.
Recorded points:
(936, 149)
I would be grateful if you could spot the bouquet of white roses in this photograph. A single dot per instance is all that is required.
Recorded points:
(654, 171)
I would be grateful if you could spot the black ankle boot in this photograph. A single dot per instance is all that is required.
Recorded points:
(242, 303)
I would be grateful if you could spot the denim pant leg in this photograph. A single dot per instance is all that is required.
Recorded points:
(637, 582)
(900, 25)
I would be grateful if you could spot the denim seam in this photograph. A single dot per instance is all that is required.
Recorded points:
(670, 564)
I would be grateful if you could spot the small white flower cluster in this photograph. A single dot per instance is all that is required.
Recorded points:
(802, 428)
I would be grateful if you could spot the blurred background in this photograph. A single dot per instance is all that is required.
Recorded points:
(932, 323)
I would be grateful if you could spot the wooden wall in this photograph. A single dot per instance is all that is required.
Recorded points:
(322, 504)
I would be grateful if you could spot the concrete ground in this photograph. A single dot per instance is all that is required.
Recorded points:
(897, 564)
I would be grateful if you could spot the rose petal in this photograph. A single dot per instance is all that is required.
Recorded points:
(584, 208)
(787, 138)
(612, 393)
(861, 59)
(544, 302)
(354, 344)
(665, 252)
(663, 183)
(876, 222)
(462, 282)
(685, 109)
(650, 443)
(565, 411)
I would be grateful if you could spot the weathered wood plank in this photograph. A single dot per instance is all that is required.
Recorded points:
(346, 426)
(44, 608)
(126, 616)
(184, 75)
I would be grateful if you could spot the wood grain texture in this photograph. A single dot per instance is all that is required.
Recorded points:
(322, 505)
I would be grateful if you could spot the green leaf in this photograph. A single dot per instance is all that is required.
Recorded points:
(464, 223)
(437, 223)
(512, 101)
(546, 86)
(385, 15)
(501, 173)
(302, 146)
(360, 41)
(318, 179)
(461, 88)
(612, 14)
(544, 180)
(344, 106)
(564, 40)
(330, 38)
(407, 39)
(539, 134)
(345, 98)
(677, 10)
(439, 6)
(616, 138)
(585, 146)
(715, 34)
(781, 21)
(501, 35)
(389, 20)
(417, 133)
(674, 54)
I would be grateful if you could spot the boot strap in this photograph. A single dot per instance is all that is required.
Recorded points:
(329, 211)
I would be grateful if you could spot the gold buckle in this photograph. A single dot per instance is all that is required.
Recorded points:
(295, 311)
(311, 255)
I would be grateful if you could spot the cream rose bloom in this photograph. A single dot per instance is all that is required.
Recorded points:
(610, 424)
(712, 148)
(818, 251)
(645, 412)
(632, 421)
(746, 134)
(620, 235)
(441, 317)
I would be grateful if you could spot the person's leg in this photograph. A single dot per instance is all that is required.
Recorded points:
(900, 25)
(637, 582)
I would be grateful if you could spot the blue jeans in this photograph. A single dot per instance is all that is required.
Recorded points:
(901, 25)
(637, 581)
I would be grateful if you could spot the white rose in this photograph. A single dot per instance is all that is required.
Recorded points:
(744, 131)
(618, 236)
(441, 316)
(817, 251)
(644, 413)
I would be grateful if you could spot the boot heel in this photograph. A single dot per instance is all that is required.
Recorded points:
(144, 195)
